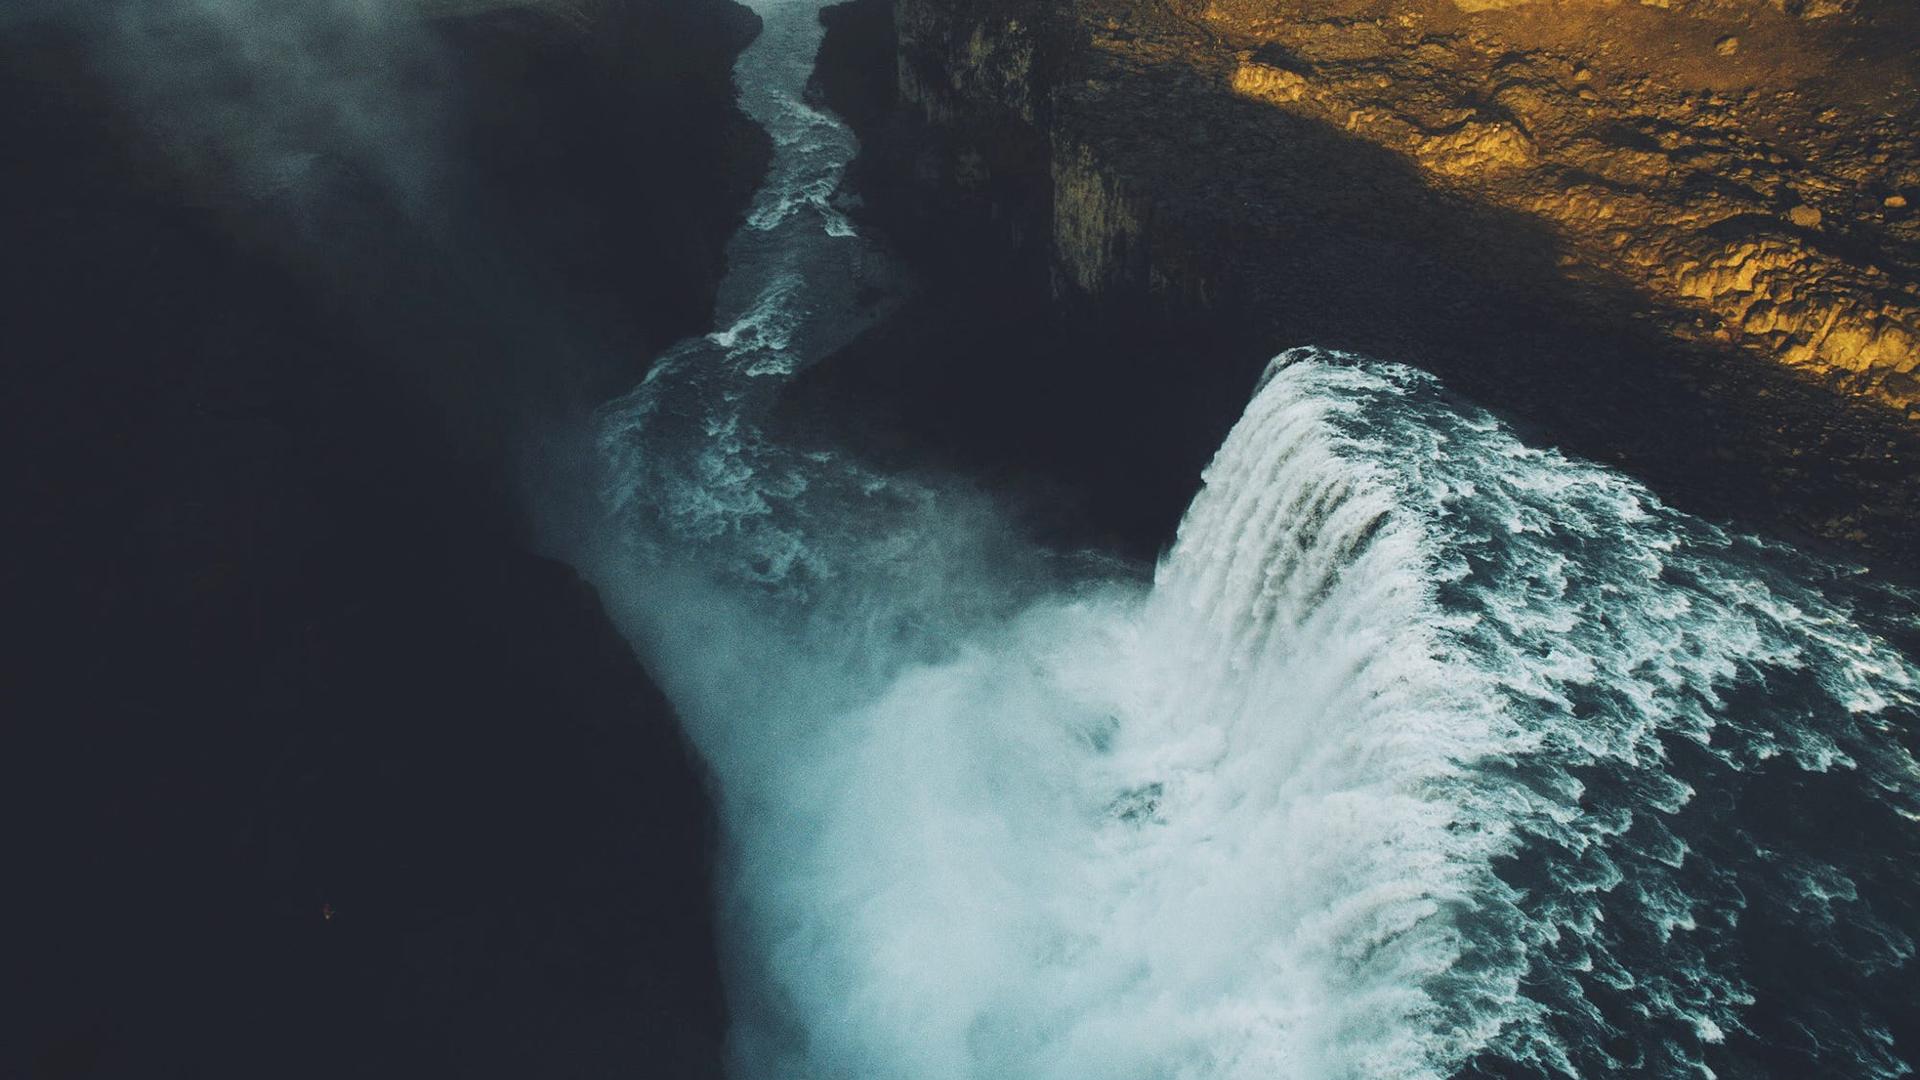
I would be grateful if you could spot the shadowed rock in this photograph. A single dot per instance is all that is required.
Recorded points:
(322, 771)
(1445, 188)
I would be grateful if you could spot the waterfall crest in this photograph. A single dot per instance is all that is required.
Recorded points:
(1421, 750)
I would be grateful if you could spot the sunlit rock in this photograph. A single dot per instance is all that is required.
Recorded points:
(1742, 164)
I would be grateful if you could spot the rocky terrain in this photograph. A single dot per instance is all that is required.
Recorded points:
(323, 771)
(315, 767)
(1672, 236)
(1745, 164)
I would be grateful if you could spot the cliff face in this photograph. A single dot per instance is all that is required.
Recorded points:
(1747, 164)
(319, 770)
(1675, 235)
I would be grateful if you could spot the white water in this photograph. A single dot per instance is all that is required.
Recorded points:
(1321, 799)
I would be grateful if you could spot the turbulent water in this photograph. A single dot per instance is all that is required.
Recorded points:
(1423, 752)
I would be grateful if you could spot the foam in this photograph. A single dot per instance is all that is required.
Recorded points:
(1419, 747)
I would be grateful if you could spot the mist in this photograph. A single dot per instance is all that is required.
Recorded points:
(488, 197)
(1319, 795)
(1388, 768)
(277, 105)
(995, 811)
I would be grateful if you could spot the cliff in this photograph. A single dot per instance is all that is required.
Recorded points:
(1674, 236)
(316, 768)
(1746, 164)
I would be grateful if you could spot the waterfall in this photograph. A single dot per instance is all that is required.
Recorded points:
(1422, 749)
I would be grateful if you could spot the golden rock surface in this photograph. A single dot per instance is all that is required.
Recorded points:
(1750, 162)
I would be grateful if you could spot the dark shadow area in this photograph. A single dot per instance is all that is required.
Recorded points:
(1295, 233)
(1090, 428)
(315, 769)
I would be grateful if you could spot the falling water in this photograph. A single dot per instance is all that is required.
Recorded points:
(1423, 752)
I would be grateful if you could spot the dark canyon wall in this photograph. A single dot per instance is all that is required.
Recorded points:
(1671, 237)
(315, 769)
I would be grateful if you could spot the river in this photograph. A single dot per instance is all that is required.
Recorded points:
(1423, 751)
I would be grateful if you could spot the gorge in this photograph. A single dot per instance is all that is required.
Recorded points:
(1152, 584)
(1422, 751)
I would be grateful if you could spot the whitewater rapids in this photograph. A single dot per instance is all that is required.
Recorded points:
(1422, 752)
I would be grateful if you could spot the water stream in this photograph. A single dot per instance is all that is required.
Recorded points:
(1423, 752)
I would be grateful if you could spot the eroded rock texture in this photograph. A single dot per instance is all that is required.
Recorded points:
(1673, 237)
(1748, 163)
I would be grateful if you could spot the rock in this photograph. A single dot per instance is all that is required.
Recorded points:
(289, 654)
(1522, 194)
(1607, 124)
(1271, 83)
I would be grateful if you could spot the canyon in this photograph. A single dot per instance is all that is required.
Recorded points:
(1676, 236)
(1090, 692)
(581, 538)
